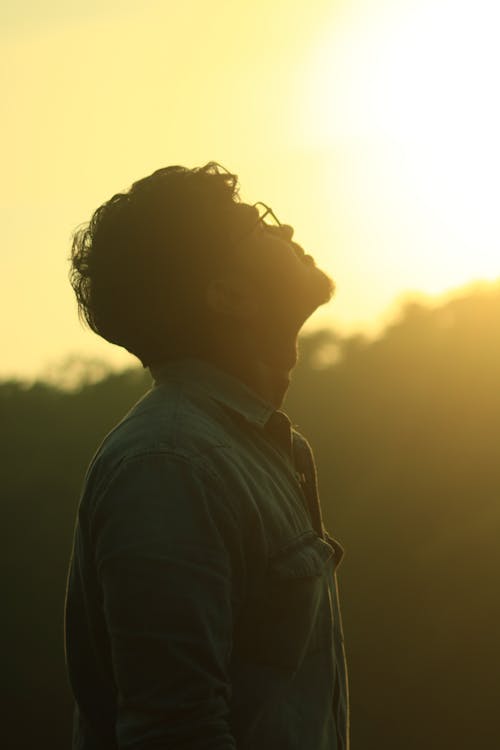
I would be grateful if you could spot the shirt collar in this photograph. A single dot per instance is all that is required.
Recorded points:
(223, 387)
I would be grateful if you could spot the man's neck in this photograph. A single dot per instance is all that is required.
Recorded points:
(263, 365)
(270, 381)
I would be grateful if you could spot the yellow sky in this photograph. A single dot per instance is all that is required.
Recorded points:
(370, 125)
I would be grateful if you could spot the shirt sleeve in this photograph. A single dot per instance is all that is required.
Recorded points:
(161, 540)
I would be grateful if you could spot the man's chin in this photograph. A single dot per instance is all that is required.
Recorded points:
(315, 291)
(289, 309)
(291, 301)
(319, 288)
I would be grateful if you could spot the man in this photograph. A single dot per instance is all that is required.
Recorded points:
(202, 607)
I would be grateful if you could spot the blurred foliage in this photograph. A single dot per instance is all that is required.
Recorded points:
(405, 430)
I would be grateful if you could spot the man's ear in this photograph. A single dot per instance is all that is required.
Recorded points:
(233, 296)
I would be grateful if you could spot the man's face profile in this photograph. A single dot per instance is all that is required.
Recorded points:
(178, 265)
(286, 279)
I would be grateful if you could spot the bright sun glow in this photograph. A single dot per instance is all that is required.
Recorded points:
(372, 126)
(417, 88)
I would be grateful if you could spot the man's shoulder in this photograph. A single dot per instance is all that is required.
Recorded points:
(177, 422)
(171, 419)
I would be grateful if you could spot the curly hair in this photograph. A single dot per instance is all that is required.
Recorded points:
(138, 265)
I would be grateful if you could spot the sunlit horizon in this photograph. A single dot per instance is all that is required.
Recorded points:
(372, 128)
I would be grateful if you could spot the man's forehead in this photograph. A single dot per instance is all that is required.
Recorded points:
(257, 215)
(251, 224)
(246, 220)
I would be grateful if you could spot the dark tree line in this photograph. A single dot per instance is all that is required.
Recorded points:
(405, 430)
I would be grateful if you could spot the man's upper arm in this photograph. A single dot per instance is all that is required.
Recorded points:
(166, 576)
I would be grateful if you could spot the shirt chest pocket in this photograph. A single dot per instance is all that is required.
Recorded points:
(290, 614)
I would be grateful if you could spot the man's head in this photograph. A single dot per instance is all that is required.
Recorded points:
(178, 265)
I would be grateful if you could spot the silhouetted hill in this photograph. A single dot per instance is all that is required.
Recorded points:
(405, 430)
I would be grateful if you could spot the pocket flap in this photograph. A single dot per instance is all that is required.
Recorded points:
(306, 558)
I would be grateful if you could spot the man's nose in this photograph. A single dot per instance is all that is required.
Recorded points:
(286, 231)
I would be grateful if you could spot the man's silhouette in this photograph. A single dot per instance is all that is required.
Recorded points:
(202, 606)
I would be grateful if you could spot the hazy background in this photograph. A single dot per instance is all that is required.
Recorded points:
(405, 431)
(372, 127)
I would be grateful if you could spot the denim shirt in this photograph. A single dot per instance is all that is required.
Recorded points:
(202, 604)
